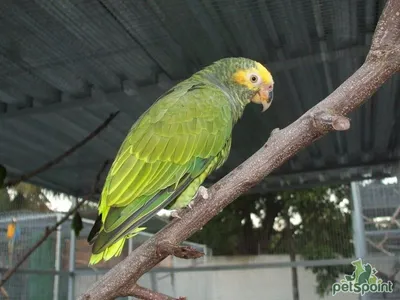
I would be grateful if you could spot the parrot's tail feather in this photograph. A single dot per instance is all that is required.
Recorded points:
(113, 250)
(95, 230)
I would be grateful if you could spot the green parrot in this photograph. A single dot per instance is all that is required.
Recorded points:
(171, 149)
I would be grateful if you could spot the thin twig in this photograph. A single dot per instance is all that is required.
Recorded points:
(4, 292)
(382, 62)
(50, 230)
(185, 252)
(67, 153)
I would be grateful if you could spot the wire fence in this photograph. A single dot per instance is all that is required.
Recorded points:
(58, 269)
(84, 276)
(336, 248)
(19, 232)
(381, 220)
(48, 273)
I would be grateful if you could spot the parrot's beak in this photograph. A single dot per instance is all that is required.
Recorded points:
(264, 96)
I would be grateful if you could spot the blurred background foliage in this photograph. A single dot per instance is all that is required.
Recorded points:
(255, 224)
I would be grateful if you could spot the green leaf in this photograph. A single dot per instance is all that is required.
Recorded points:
(77, 224)
(3, 175)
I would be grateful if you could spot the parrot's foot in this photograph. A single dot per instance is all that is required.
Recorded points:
(175, 214)
(203, 192)
(274, 131)
(271, 136)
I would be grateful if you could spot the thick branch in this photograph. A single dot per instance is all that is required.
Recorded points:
(67, 153)
(324, 117)
(50, 230)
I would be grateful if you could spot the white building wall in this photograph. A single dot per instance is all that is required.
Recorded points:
(269, 284)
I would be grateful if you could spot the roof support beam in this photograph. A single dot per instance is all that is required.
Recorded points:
(54, 107)
(36, 180)
(129, 88)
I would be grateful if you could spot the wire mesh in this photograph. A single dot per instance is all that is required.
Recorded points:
(152, 21)
(19, 232)
(381, 215)
(46, 272)
(136, 37)
(86, 276)
(64, 48)
(380, 207)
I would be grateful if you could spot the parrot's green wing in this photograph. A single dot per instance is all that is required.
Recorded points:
(180, 138)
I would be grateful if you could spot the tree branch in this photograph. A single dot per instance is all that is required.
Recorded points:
(67, 153)
(166, 248)
(50, 230)
(382, 62)
(4, 292)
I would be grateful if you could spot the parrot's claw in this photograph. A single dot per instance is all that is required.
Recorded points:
(275, 131)
(271, 136)
(175, 214)
(203, 191)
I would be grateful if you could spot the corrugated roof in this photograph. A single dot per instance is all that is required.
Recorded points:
(66, 65)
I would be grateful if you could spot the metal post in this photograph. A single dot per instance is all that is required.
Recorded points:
(153, 281)
(71, 276)
(360, 245)
(205, 251)
(130, 245)
(57, 264)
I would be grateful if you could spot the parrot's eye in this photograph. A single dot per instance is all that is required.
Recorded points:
(254, 78)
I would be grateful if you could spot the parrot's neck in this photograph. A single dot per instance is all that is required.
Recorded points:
(237, 100)
(238, 104)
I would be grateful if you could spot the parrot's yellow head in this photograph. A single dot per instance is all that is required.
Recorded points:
(246, 79)
(258, 80)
